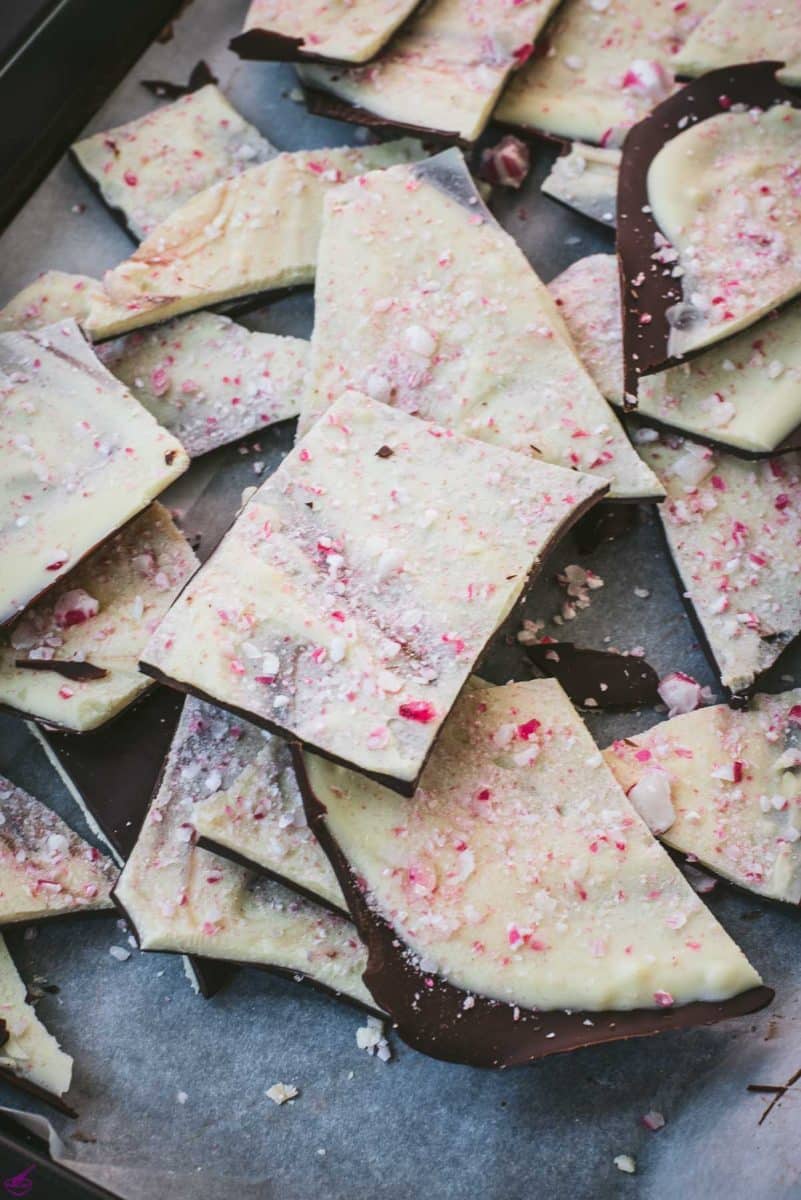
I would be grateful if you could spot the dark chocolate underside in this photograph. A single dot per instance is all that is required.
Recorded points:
(430, 1013)
(116, 770)
(610, 680)
(792, 442)
(322, 104)
(76, 672)
(645, 346)
(241, 860)
(201, 76)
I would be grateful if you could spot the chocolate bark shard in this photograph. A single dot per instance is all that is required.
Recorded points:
(151, 166)
(259, 822)
(474, 964)
(585, 179)
(30, 1057)
(744, 394)
(211, 381)
(451, 323)
(597, 678)
(300, 30)
(52, 297)
(733, 528)
(252, 234)
(183, 899)
(86, 634)
(46, 869)
(446, 68)
(744, 265)
(605, 68)
(350, 619)
(200, 76)
(56, 504)
(731, 779)
(740, 31)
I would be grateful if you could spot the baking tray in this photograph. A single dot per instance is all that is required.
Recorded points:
(362, 1129)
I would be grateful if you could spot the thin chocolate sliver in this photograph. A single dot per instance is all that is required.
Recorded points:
(607, 679)
(76, 672)
(450, 1024)
(321, 104)
(646, 329)
(202, 75)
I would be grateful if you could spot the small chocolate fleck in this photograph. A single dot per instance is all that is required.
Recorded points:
(384, 452)
(170, 457)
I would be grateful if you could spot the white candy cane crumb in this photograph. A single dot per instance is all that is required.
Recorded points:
(624, 1162)
(120, 953)
(370, 1037)
(280, 1093)
(182, 1097)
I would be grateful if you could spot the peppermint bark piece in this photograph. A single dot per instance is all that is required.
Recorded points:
(350, 617)
(444, 71)
(252, 234)
(608, 62)
(739, 31)
(78, 458)
(185, 900)
(149, 167)
(709, 219)
(342, 31)
(30, 1057)
(46, 869)
(518, 906)
(733, 529)
(744, 393)
(722, 785)
(449, 322)
(585, 179)
(71, 660)
(211, 381)
(259, 822)
(53, 296)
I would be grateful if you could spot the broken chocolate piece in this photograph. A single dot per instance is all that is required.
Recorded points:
(456, 329)
(201, 76)
(585, 179)
(182, 899)
(30, 1057)
(744, 394)
(472, 962)
(91, 628)
(733, 528)
(446, 68)
(729, 780)
(148, 168)
(608, 62)
(53, 296)
(704, 252)
(353, 626)
(210, 381)
(305, 30)
(46, 869)
(55, 508)
(597, 678)
(740, 31)
(255, 233)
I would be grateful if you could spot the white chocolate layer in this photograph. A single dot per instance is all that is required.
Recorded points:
(734, 528)
(52, 297)
(101, 613)
(350, 617)
(30, 1051)
(149, 167)
(740, 31)
(520, 871)
(211, 381)
(725, 195)
(586, 180)
(447, 320)
(78, 458)
(446, 69)
(607, 64)
(189, 901)
(734, 786)
(260, 817)
(745, 392)
(251, 234)
(344, 30)
(46, 869)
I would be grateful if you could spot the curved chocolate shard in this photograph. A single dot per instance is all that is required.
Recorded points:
(77, 672)
(649, 289)
(444, 1022)
(321, 104)
(604, 523)
(597, 678)
(202, 74)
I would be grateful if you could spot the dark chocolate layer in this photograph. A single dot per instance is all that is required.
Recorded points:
(610, 680)
(201, 76)
(76, 672)
(322, 104)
